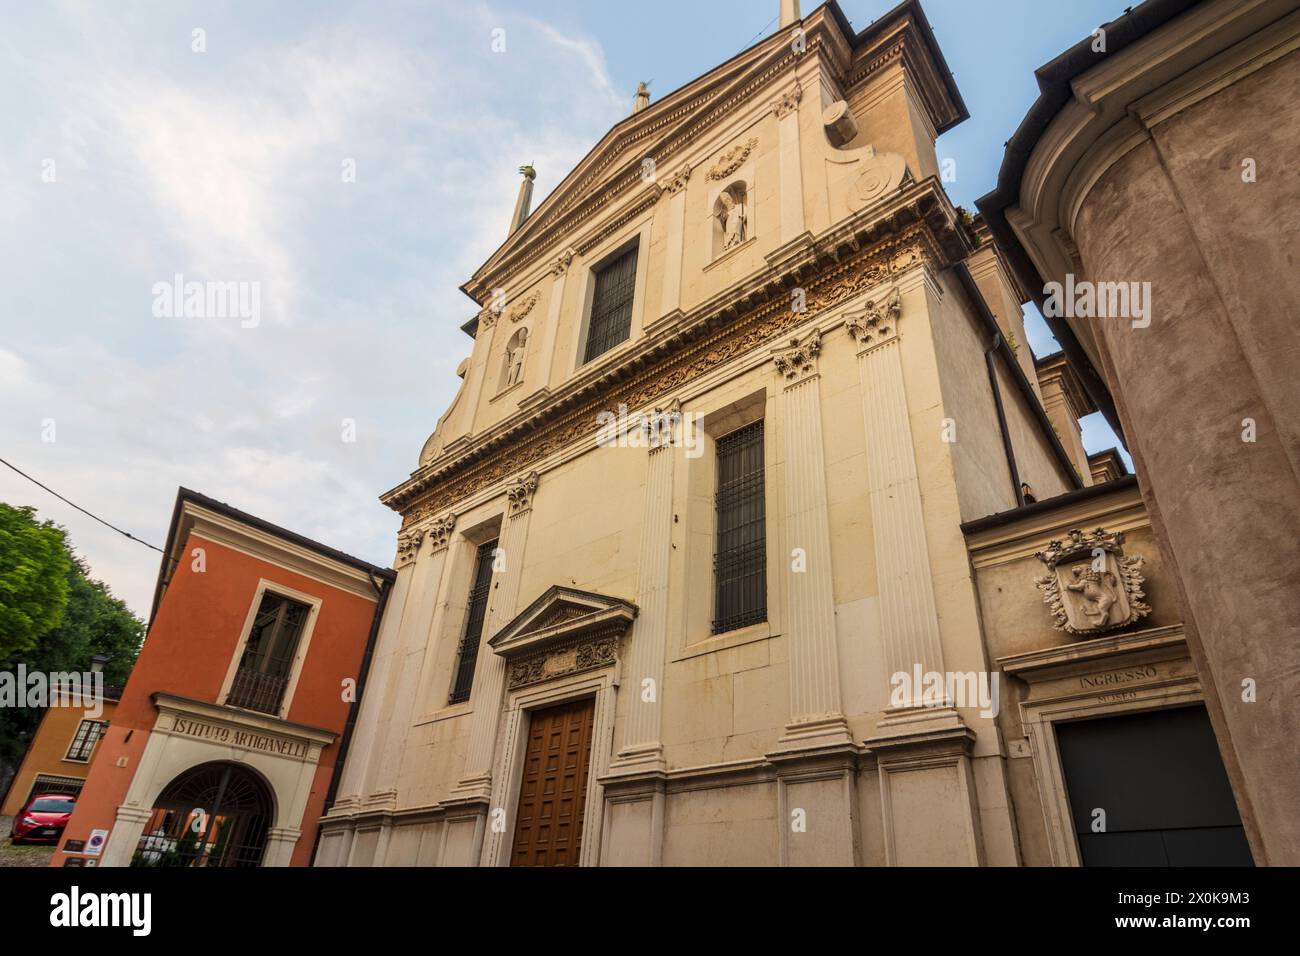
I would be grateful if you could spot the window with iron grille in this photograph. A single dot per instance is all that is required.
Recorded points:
(83, 741)
(467, 654)
(611, 305)
(740, 556)
(267, 662)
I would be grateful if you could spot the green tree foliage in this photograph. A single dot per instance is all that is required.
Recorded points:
(34, 569)
(88, 620)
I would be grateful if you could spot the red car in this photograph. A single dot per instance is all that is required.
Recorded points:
(42, 818)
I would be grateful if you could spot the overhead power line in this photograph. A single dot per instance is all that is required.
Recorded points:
(79, 508)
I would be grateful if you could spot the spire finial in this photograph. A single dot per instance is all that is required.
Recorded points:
(789, 13)
(525, 198)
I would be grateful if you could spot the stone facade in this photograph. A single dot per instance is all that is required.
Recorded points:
(868, 324)
(1175, 169)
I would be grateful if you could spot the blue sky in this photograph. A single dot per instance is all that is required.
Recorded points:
(227, 165)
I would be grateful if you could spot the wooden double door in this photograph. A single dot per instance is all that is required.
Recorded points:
(552, 795)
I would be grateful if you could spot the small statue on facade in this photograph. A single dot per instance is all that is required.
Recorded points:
(515, 370)
(732, 217)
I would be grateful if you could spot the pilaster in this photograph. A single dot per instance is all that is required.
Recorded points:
(816, 714)
(490, 671)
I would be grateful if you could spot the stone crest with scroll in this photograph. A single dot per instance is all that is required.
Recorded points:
(1091, 585)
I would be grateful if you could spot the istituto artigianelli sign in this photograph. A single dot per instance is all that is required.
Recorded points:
(244, 739)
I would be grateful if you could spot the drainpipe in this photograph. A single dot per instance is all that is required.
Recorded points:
(1002, 418)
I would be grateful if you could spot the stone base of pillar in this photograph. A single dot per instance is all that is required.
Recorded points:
(466, 825)
(632, 829)
(379, 800)
(280, 842)
(125, 836)
(472, 789)
(639, 759)
(923, 758)
(817, 806)
(814, 733)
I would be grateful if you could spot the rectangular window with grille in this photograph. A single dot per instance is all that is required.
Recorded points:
(740, 555)
(467, 654)
(611, 305)
(267, 662)
(83, 741)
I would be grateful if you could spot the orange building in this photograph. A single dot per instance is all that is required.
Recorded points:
(224, 745)
(60, 753)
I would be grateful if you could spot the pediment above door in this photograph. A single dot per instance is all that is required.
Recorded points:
(563, 632)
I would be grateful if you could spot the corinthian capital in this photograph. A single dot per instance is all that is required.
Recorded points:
(520, 492)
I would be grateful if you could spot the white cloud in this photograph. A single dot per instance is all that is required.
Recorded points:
(228, 168)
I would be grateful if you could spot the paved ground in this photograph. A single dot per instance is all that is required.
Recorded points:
(11, 855)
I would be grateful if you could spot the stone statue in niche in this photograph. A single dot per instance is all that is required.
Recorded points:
(732, 218)
(515, 353)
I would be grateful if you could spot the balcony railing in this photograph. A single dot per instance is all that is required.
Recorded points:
(257, 691)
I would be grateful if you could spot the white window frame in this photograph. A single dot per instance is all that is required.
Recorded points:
(598, 259)
(103, 725)
(300, 654)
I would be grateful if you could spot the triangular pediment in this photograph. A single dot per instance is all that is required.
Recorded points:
(613, 172)
(560, 615)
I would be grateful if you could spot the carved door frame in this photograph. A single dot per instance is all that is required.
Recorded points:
(1164, 679)
(508, 776)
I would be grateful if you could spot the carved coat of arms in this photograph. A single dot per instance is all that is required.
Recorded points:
(1091, 585)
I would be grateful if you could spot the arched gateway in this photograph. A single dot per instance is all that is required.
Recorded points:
(215, 814)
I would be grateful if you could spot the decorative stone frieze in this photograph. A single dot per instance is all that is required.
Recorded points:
(1091, 586)
(558, 662)
(436, 489)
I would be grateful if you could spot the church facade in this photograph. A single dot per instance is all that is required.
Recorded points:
(755, 535)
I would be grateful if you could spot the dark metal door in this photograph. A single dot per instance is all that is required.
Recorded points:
(1158, 778)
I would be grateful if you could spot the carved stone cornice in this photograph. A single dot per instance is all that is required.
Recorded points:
(798, 360)
(732, 159)
(440, 530)
(520, 492)
(866, 250)
(877, 321)
(788, 102)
